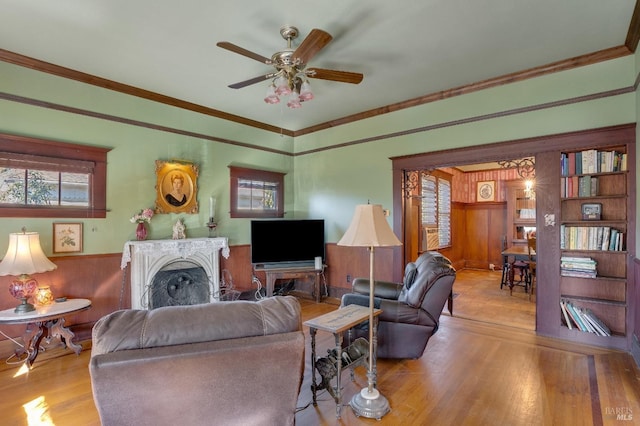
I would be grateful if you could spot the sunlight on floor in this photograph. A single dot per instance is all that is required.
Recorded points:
(24, 369)
(37, 412)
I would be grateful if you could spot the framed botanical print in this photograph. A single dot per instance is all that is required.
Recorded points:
(67, 237)
(486, 191)
(176, 187)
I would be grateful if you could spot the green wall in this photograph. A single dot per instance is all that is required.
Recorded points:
(131, 162)
(329, 183)
(325, 184)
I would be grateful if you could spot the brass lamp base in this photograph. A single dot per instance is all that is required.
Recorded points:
(24, 307)
(370, 404)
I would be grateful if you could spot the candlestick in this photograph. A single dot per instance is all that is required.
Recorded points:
(212, 206)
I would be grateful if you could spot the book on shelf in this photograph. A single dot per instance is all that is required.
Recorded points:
(582, 319)
(597, 324)
(579, 186)
(603, 238)
(592, 161)
(565, 314)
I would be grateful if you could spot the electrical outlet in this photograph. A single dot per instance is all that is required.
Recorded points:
(348, 278)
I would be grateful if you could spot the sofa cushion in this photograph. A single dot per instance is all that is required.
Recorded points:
(176, 325)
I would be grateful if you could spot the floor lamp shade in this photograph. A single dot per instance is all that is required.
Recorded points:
(24, 256)
(369, 228)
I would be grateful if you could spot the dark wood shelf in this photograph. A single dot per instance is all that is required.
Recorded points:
(593, 300)
(607, 295)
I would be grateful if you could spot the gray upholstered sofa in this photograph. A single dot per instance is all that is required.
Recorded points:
(223, 363)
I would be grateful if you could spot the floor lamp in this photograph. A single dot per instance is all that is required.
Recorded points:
(369, 228)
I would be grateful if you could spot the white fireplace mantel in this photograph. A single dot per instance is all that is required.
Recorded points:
(150, 256)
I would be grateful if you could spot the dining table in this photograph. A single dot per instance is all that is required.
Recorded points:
(509, 257)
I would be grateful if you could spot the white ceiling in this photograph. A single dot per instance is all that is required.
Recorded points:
(404, 48)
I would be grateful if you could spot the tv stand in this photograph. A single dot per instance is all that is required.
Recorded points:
(273, 273)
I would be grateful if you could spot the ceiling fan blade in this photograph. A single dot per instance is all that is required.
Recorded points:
(244, 52)
(312, 44)
(341, 76)
(251, 81)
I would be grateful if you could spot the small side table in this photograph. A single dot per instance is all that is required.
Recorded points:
(337, 322)
(45, 321)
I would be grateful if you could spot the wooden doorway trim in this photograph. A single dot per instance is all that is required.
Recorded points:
(528, 147)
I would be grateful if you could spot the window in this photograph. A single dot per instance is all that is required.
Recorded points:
(40, 178)
(256, 193)
(435, 210)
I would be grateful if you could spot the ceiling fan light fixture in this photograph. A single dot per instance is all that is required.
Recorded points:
(271, 97)
(294, 100)
(290, 75)
(305, 91)
(282, 86)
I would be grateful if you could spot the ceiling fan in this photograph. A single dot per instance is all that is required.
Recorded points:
(290, 75)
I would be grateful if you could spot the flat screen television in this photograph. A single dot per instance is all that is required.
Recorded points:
(290, 241)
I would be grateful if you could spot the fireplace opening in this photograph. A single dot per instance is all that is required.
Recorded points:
(179, 283)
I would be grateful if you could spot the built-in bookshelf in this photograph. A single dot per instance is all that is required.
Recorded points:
(593, 229)
(521, 212)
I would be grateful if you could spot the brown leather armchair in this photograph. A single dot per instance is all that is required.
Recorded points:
(410, 310)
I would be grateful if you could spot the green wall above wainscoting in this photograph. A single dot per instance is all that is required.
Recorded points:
(327, 172)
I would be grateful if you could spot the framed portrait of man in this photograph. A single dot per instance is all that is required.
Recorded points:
(176, 187)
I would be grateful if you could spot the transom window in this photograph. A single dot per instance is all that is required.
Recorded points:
(40, 178)
(256, 193)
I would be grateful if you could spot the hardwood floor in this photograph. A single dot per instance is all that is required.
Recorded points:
(478, 296)
(472, 373)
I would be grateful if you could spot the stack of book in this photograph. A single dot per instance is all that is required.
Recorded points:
(582, 319)
(582, 267)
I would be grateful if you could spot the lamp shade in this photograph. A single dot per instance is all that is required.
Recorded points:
(369, 228)
(25, 256)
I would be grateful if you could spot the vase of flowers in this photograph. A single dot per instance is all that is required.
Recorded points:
(142, 218)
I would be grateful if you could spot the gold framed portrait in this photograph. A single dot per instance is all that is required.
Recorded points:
(176, 187)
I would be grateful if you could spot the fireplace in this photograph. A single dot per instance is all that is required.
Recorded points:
(174, 272)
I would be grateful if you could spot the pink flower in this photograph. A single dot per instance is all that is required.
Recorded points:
(144, 215)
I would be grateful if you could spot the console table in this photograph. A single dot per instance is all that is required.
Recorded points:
(45, 321)
(337, 322)
(276, 273)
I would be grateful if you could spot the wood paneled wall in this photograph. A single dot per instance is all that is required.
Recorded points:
(485, 225)
(95, 277)
(100, 279)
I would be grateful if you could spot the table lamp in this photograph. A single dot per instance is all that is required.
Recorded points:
(24, 256)
(369, 228)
